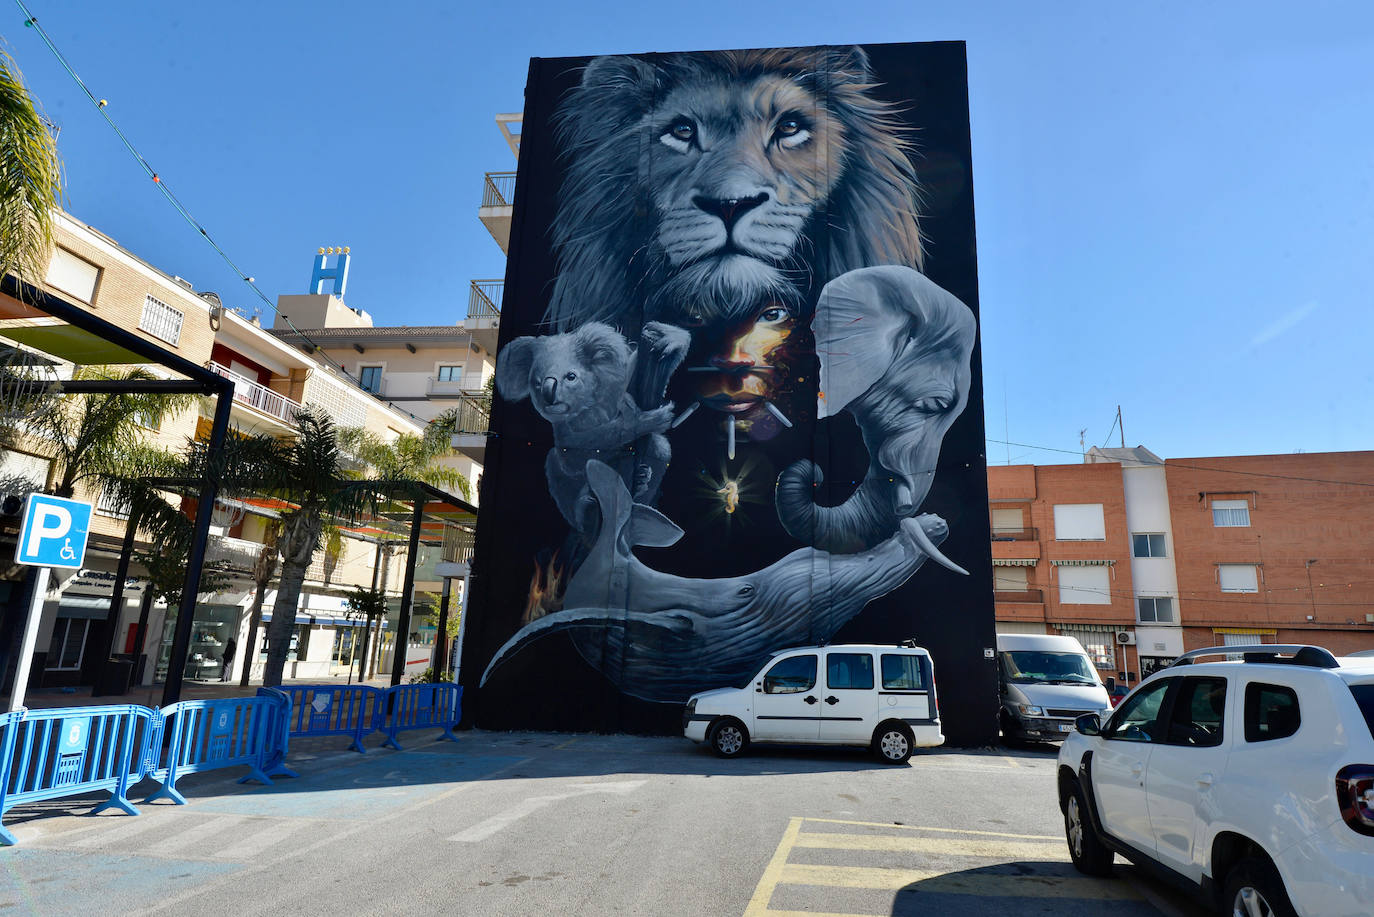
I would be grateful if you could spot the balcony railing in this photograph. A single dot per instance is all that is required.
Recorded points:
(458, 544)
(239, 553)
(498, 189)
(1028, 533)
(485, 298)
(257, 395)
(1023, 595)
(472, 416)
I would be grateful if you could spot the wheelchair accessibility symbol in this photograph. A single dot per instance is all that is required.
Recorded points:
(54, 532)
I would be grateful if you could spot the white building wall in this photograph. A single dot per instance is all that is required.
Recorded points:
(1147, 510)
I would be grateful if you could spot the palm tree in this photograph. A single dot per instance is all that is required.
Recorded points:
(409, 457)
(30, 178)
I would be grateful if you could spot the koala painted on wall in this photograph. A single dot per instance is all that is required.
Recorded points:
(603, 403)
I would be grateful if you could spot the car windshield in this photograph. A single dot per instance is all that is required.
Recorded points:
(1364, 696)
(1036, 666)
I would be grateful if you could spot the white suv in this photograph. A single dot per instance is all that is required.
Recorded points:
(882, 697)
(1252, 780)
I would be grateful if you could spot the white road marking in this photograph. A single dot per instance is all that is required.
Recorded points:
(255, 844)
(186, 840)
(103, 835)
(485, 829)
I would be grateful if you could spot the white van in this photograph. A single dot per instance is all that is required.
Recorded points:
(1046, 682)
(880, 697)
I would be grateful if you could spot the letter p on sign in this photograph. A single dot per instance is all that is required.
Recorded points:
(54, 532)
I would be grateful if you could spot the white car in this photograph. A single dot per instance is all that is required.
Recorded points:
(1251, 780)
(882, 697)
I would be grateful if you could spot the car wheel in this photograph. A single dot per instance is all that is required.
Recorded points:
(1254, 889)
(1090, 856)
(729, 738)
(893, 743)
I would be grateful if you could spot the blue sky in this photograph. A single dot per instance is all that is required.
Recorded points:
(1175, 201)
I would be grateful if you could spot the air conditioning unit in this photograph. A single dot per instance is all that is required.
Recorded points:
(1125, 637)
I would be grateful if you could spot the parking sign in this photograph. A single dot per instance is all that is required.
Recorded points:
(54, 532)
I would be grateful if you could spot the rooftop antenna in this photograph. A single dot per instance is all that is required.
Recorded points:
(1120, 425)
(1082, 446)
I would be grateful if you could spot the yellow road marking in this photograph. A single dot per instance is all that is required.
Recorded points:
(981, 884)
(769, 880)
(1038, 850)
(889, 825)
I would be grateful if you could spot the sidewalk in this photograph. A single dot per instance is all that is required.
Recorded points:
(151, 695)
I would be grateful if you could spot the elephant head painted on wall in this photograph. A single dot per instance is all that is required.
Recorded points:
(894, 351)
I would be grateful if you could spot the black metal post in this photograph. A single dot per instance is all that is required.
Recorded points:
(440, 662)
(145, 608)
(116, 609)
(403, 625)
(186, 614)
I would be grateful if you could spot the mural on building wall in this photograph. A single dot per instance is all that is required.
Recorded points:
(739, 407)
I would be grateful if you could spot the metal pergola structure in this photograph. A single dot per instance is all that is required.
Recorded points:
(47, 324)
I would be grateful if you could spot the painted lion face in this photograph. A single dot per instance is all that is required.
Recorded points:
(698, 187)
(737, 169)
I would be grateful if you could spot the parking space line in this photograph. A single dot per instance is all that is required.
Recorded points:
(485, 829)
(772, 873)
(940, 845)
(942, 882)
(893, 826)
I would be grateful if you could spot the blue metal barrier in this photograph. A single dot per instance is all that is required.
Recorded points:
(334, 710)
(424, 706)
(52, 753)
(209, 734)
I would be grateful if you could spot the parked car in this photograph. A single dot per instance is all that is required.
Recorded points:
(1045, 682)
(1251, 779)
(882, 697)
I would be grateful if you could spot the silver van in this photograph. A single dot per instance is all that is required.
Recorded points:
(879, 697)
(1045, 682)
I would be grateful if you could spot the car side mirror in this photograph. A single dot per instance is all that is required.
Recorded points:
(1090, 724)
(1111, 684)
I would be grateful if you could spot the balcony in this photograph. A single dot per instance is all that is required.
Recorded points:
(258, 396)
(1022, 595)
(458, 544)
(470, 434)
(498, 196)
(1026, 533)
(484, 312)
(240, 554)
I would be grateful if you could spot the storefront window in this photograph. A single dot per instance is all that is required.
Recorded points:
(214, 626)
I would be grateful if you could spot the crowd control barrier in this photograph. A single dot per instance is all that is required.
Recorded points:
(334, 710)
(209, 734)
(48, 754)
(423, 706)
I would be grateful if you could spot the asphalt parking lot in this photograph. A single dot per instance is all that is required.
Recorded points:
(525, 823)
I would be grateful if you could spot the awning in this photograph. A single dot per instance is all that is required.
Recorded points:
(1247, 631)
(320, 620)
(1083, 563)
(1014, 562)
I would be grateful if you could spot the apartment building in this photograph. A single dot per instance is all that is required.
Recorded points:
(272, 379)
(1143, 558)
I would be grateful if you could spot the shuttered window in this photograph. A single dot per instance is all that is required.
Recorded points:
(1230, 513)
(1238, 577)
(1085, 585)
(73, 274)
(1079, 522)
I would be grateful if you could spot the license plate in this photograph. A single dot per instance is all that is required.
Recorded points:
(1066, 727)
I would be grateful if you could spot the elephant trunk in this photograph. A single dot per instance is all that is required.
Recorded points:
(857, 524)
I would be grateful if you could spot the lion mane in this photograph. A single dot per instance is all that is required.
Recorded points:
(697, 185)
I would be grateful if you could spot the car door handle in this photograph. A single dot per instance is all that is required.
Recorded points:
(1205, 780)
(809, 699)
(1136, 768)
(832, 700)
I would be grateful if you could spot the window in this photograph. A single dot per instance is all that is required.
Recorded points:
(792, 675)
(450, 374)
(106, 505)
(1009, 579)
(161, 321)
(68, 644)
(370, 378)
(1156, 610)
(1147, 545)
(1100, 645)
(1238, 577)
(1271, 712)
(1079, 522)
(73, 274)
(1199, 713)
(1230, 513)
(1364, 698)
(1007, 520)
(851, 671)
(1135, 719)
(1089, 585)
(147, 421)
(902, 673)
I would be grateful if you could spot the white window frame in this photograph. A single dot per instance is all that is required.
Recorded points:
(381, 377)
(1079, 522)
(1230, 514)
(458, 372)
(1079, 593)
(1149, 544)
(162, 321)
(66, 267)
(1233, 572)
(1154, 601)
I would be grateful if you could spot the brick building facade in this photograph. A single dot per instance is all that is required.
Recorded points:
(1142, 559)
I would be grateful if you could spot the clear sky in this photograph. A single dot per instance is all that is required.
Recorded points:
(1175, 201)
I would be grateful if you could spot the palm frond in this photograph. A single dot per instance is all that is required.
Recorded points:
(30, 178)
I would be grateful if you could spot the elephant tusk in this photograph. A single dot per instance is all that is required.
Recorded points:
(917, 534)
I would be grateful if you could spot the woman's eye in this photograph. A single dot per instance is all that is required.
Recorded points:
(775, 314)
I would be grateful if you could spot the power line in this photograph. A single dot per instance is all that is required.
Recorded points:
(1177, 464)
